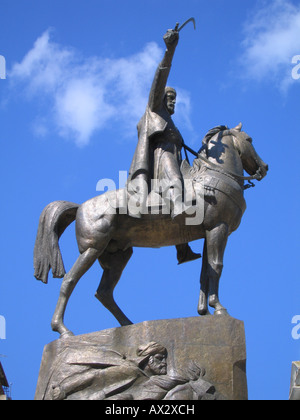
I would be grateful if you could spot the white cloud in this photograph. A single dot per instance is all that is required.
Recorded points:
(272, 38)
(80, 109)
(43, 66)
(85, 93)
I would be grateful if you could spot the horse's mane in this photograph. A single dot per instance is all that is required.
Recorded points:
(210, 134)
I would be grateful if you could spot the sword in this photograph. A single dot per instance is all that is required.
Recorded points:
(178, 29)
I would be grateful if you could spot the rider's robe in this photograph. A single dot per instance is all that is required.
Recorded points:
(158, 152)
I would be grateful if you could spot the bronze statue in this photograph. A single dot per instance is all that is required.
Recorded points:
(110, 225)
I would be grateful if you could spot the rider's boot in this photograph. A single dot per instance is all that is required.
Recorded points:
(185, 254)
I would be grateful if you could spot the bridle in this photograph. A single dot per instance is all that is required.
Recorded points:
(258, 176)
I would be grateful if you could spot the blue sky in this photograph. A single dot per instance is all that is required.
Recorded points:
(77, 78)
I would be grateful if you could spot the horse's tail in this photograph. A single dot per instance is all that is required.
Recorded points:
(55, 218)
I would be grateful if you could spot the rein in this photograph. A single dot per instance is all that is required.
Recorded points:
(256, 176)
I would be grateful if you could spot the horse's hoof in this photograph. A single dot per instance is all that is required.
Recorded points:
(203, 312)
(66, 334)
(126, 323)
(221, 312)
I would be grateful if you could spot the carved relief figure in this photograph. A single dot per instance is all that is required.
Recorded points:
(106, 375)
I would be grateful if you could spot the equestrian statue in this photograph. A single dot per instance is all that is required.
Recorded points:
(167, 202)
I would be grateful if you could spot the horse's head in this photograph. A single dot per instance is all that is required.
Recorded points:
(252, 162)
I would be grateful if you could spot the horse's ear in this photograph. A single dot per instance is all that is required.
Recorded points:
(238, 127)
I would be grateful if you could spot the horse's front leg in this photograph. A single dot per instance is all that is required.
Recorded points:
(204, 283)
(216, 244)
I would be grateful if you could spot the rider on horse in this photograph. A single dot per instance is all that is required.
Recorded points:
(157, 159)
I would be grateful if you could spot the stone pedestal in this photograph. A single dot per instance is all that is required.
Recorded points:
(216, 344)
(295, 382)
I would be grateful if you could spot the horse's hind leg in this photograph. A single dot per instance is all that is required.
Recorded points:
(81, 266)
(113, 265)
(216, 244)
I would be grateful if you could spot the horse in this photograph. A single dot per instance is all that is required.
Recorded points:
(110, 236)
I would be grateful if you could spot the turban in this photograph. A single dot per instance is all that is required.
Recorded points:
(151, 349)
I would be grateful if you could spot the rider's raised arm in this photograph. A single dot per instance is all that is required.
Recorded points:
(157, 91)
